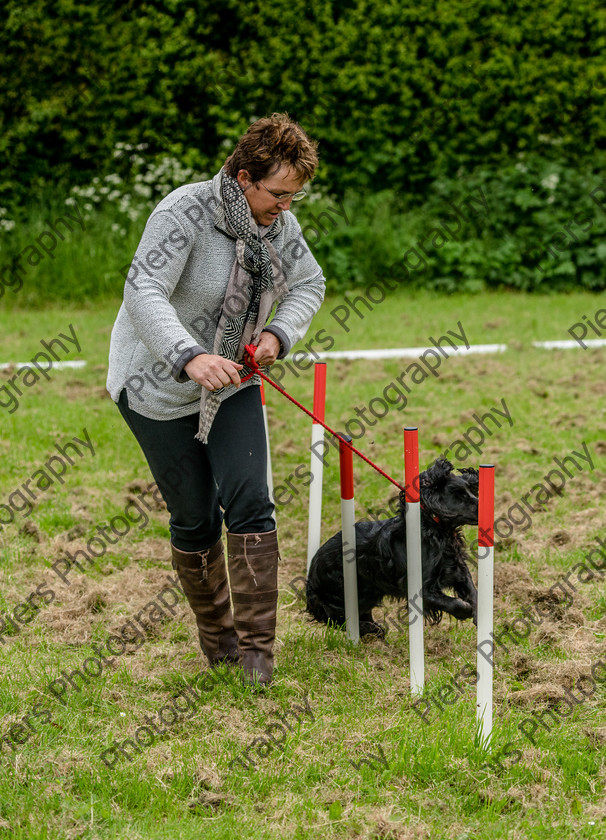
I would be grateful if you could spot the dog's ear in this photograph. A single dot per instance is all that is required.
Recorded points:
(472, 478)
(432, 483)
(430, 479)
(436, 475)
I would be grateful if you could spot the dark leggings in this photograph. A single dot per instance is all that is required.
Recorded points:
(197, 479)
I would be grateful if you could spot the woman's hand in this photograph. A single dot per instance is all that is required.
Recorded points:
(267, 349)
(213, 372)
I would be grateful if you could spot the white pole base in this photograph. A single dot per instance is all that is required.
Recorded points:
(485, 668)
(270, 477)
(314, 524)
(350, 570)
(415, 597)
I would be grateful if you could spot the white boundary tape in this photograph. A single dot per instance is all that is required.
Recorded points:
(412, 352)
(568, 344)
(406, 352)
(55, 365)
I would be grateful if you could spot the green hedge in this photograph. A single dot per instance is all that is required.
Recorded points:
(397, 95)
(532, 225)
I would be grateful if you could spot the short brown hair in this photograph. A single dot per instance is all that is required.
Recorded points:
(272, 141)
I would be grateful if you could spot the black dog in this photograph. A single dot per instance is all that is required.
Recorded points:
(448, 501)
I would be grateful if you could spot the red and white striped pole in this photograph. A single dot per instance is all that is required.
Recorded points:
(314, 525)
(270, 477)
(348, 532)
(413, 558)
(485, 665)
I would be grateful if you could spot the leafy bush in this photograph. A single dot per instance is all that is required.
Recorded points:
(541, 231)
(397, 94)
(533, 226)
(84, 242)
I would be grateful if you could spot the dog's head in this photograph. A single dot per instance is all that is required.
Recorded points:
(449, 498)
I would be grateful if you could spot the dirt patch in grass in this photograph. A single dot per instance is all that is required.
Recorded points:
(87, 603)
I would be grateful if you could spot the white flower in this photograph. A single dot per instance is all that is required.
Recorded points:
(521, 168)
(551, 181)
(85, 192)
(142, 189)
(545, 138)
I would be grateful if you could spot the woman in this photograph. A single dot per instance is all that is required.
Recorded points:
(213, 260)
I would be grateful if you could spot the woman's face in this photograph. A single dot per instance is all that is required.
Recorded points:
(264, 206)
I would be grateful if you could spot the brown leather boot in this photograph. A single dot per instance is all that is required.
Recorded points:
(204, 581)
(253, 576)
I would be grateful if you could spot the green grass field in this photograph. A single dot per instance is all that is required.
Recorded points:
(216, 771)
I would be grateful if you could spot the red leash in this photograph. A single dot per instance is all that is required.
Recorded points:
(250, 361)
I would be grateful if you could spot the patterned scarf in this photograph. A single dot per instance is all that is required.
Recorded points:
(255, 284)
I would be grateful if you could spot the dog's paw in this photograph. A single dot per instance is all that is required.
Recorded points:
(462, 610)
(371, 628)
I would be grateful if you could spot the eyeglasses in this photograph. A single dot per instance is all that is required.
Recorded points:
(285, 196)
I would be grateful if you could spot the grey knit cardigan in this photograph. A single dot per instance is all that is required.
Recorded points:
(173, 295)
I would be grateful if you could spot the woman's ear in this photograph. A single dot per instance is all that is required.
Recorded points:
(244, 179)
